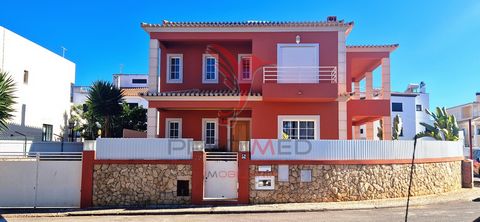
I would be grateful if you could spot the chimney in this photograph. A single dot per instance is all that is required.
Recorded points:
(332, 18)
(478, 97)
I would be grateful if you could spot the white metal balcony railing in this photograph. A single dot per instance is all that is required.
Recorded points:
(299, 74)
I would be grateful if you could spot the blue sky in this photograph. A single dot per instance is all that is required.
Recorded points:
(438, 39)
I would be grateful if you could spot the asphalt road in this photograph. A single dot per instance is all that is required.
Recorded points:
(452, 211)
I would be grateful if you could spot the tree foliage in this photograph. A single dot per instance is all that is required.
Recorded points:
(104, 100)
(444, 126)
(7, 99)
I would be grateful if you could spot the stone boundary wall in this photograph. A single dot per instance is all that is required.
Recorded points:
(357, 182)
(139, 184)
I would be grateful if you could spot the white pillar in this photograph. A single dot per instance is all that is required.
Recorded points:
(153, 71)
(342, 86)
(153, 87)
(368, 85)
(152, 122)
(386, 78)
(356, 90)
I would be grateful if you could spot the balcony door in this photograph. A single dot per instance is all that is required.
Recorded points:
(297, 63)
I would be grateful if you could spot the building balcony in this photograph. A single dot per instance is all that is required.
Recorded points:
(301, 83)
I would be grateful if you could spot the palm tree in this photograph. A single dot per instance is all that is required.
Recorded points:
(105, 100)
(7, 88)
(444, 127)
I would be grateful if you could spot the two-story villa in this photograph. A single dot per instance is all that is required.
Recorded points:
(225, 82)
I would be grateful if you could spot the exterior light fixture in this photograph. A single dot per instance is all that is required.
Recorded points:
(297, 39)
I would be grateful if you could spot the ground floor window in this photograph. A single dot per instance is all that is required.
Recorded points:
(47, 132)
(210, 132)
(299, 127)
(173, 128)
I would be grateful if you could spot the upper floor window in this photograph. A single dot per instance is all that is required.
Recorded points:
(419, 107)
(174, 68)
(397, 107)
(25, 76)
(139, 81)
(245, 67)
(210, 68)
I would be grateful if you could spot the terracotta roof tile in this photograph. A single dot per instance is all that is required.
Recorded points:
(170, 24)
(134, 91)
(196, 92)
(373, 46)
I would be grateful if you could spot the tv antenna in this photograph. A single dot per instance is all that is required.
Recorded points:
(63, 51)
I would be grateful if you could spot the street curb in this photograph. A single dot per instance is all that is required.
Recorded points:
(460, 195)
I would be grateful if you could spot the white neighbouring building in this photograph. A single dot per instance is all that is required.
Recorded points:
(43, 81)
(130, 84)
(410, 105)
(465, 113)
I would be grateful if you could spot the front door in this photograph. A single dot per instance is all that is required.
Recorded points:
(239, 131)
(297, 63)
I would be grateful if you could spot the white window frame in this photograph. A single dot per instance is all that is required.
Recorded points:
(180, 75)
(314, 118)
(204, 66)
(204, 135)
(240, 67)
(167, 126)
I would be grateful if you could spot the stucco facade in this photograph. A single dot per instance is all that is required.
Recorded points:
(300, 71)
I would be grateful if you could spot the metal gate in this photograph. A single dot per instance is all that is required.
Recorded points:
(40, 179)
(221, 176)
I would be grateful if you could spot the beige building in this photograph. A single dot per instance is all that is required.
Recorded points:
(466, 113)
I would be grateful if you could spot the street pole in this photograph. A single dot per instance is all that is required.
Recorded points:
(470, 138)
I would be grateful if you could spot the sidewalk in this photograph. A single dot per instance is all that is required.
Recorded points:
(461, 195)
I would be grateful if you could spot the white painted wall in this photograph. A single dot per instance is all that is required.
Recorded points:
(80, 94)
(351, 149)
(408, 115)
(125, 80)
(136, 99)
(47, 94)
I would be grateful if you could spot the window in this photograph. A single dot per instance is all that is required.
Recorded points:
(47, 132)
(210, 132)
(298, 127)
(283, 173)
(183, 188)
(139, 81)
(210, 68)
(361, 131)
(71, 92)
(245, 67)
(174, 128)
(174, 68)
(304, 130)
(478, 130)
(419, 107)
(25, 76)
(401, 133)
(306, 176)
(397, 107)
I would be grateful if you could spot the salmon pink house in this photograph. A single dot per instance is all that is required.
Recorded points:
(226, 82)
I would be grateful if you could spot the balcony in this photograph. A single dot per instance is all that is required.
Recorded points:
(300, 83)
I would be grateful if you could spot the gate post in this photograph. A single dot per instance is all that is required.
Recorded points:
(86, 192)
(244, 174)
(198, 176)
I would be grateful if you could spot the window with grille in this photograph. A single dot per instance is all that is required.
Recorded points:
(174, 128)
(175, 68)
(210, 69)
(298, 129)
(210, 132)
(245, 67)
